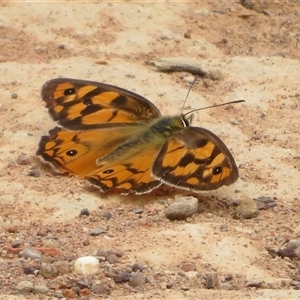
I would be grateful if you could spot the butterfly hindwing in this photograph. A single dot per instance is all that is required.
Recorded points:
(81, 105)
(195, 159)
(126, 173)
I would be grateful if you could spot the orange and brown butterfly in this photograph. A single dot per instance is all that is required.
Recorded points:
(119, 141)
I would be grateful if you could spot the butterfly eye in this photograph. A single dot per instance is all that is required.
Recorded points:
(71, 152)
(217, 170)
(70, 91)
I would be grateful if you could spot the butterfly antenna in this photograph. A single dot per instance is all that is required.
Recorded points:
(187, 95)
(216, 105)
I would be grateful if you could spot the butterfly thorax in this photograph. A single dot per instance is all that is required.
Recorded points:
(164, 127)
(155, 134)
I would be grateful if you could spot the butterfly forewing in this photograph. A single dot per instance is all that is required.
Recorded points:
(76, 152)
(195, 159)
(80, 105)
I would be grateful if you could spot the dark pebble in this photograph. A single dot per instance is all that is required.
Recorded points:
(100, 288)
(84, 212)
(112, 258)
(107, 215)
(228, 277)
(84, 282)
(255, 283)
(138, 267)
(122, 278)
(137, 279)
(138, 211)
(34, 173)
(14, 96)
(30, 269)
(97, 231)
(212, 280)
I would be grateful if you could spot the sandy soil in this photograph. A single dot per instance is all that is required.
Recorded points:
(257, 50)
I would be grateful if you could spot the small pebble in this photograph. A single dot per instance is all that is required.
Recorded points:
(265, 202)
(254, 283)
(212, 280)
(24, 287)
(48, 271)
(182, 208)
(62, 267)
(293, 244)
(138, 267)
(188, 34)
(84, 212)
(40, 289)
(234, 121)
(30, 253)
(84, 282)
(34, 173)
(30, 269)
(69, 293)
(97, 231)
(86, 265)
(188, 79)
(188, 266)
(23, 159)
(107, 215)
(100, 288)
(246, 209)
(228, 277)
(112, 258)
(123, 277)
(14, 96)
(255, 137)
(137, 279)
(138, 211)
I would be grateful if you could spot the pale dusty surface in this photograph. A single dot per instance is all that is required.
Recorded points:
(259, 58)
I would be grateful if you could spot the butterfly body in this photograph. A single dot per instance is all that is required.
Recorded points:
(119, 141)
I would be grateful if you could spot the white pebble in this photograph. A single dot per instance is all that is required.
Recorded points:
(86, 265)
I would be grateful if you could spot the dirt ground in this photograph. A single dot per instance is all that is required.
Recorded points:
(255, 46)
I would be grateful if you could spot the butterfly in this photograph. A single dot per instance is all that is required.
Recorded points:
(119, 141)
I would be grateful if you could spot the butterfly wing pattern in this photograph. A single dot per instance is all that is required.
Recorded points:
(119, 141)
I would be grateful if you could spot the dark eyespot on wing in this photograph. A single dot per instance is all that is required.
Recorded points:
(70, 91)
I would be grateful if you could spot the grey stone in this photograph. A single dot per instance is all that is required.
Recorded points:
(246, 209)
(97, 231)
(48, 271)
(182, 208)
(212, 280)
(40, 289)
(31, 253)
(254, 283)
(24, 287)
(137, 279)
